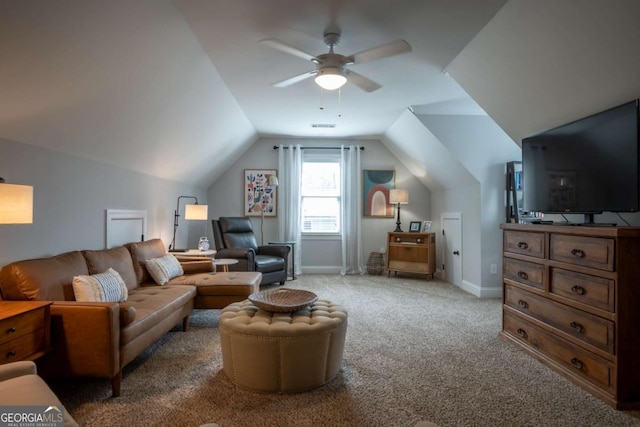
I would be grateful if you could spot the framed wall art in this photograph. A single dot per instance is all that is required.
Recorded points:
(375, 193)
(259, 196)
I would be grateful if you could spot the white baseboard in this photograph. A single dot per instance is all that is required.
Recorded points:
(481, 292)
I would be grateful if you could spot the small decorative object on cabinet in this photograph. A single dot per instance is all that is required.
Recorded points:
(26, 330)
(411, 253)
(571, 300)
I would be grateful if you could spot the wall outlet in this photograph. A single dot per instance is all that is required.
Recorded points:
(493, 268)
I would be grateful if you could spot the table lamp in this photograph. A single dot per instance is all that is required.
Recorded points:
(398, 197)
(16, 203)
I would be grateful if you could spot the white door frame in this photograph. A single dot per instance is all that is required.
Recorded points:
(454, 216)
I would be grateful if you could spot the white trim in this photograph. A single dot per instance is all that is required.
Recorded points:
(123, 215)
(481, 292)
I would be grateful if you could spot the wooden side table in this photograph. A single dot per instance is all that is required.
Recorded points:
(225, 263)
(25, 330)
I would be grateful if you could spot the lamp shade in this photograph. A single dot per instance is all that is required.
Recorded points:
(330, 78)
(399, 196)
(16, 204)
(196, 212)
(272, 181)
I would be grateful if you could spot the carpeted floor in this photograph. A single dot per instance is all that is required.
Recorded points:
(415, 351)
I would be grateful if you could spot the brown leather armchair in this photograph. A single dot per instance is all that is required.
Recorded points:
(234, 238)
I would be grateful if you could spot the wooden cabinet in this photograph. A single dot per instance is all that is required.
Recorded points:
(571, 300)
(411, 253)
(25, 330)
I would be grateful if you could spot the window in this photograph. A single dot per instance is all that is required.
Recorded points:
(320, 193)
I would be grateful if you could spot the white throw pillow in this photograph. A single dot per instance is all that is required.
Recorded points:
(164, 268)
(103, 287)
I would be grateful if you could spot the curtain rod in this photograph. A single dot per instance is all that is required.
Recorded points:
(275, 147)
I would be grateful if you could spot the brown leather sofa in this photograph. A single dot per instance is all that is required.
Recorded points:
(97, 339)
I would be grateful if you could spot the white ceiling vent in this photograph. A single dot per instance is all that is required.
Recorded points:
(323, 125)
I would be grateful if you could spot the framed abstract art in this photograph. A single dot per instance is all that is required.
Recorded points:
(375, 193)
(259, 196)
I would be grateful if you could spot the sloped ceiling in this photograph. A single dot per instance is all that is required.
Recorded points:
(179, 89)
(121, 82)
(539, 64)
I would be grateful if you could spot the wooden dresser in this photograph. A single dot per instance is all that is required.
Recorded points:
(411, 253)
(571, 299)
(26, 330)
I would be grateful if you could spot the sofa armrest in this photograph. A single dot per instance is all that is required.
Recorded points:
(86, 340)
(199, 265)
(236, 253)
(17, 369)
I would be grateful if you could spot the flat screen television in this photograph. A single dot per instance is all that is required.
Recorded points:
(588, 166)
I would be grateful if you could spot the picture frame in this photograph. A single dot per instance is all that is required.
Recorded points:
(258, 196)
(426, 226)
(375, 193)
(414, 226)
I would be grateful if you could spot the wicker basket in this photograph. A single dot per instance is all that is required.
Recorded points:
(375, 264)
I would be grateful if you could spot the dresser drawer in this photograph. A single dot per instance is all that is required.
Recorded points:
(587, 327)
(21, 324)
(408, 252)
(527, 273)
(571, 357)
(524, 243)
(591, 290)
(592, 252)
(22, 347)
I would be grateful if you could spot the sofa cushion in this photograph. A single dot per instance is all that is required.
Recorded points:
(117, 258)
(152, 305)
(46, 279)
(164, 268)
(101, 287)
(142, 251)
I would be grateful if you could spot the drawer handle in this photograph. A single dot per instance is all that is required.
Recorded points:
(522, 333)
(576, 326)
(523, 304)
(523, 245)
(577, 363)
(578, 253)
(578, 290)
(11, 353)
(11, 330)
(523, 275)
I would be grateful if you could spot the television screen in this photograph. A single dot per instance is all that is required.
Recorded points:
(586, 166)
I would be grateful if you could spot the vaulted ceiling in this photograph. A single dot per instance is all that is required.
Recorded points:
(179, 89)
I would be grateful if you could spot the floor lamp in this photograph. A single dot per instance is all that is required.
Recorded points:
(191, 212)
(16, 203)
(398, 197)
(272, 182)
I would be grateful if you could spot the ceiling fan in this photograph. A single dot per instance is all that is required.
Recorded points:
(331, 70)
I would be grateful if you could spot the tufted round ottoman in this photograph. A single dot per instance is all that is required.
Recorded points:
(282, 352)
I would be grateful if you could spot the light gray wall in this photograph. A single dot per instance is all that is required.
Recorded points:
(539, 64)
(320, 254)
(483, 148)
(71, 196)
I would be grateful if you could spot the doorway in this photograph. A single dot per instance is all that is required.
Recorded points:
(452, 247)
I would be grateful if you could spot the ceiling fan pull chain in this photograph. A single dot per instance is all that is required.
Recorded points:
(339, 102)
(321, 99)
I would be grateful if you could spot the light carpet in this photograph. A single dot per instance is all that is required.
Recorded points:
(415, 351)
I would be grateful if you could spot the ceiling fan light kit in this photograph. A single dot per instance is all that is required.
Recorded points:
(331, 70)
(330, 78)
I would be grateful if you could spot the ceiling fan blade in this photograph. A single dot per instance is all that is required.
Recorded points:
(295, 79)
(361, 81)
(390, 49)
(287, 48)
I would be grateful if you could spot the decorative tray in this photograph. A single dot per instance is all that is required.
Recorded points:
(283, 300)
